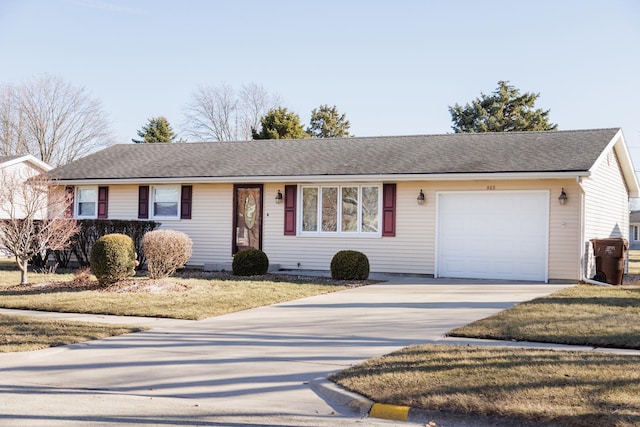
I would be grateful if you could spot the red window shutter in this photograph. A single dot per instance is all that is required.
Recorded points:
(389, 210)
(290, 193)
(103, 202)
(68, 213)
(143, 201)
(185, 201)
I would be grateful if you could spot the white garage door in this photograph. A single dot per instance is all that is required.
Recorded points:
(493, 235)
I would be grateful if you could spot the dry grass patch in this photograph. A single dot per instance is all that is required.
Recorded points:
(582, 315)
(568, 388)
(192, 295)
(634, 262)
(21, 333)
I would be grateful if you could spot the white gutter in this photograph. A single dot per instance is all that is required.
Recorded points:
(334, 178)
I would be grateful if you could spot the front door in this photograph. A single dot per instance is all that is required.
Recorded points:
(247, 217)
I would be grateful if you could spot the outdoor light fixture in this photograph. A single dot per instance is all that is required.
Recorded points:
(278, 197)
(421, 198)
(563, 197)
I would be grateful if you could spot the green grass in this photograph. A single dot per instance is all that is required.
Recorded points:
(22, 333)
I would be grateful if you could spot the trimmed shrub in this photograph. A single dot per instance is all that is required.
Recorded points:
(166, 251)
(113, 258)
(350, 265)
(250, 262)
(92, 229)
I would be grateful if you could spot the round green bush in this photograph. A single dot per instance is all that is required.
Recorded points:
(350, 265)
(250, 262)
(113, 258)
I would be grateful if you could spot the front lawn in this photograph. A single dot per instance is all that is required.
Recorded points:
(580, 315)
(581, 389)
(191, 295)
(542, 386)
(21, 333)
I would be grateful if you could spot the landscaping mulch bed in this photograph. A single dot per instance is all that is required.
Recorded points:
(142, 284)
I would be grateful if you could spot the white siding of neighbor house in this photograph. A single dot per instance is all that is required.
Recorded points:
(606, 205)
(412, 250)
(15, 174)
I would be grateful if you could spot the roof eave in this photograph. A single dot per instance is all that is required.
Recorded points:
(28, 158)
(626, 163)
(485, 176)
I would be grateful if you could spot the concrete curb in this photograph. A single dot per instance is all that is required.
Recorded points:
(334, 394)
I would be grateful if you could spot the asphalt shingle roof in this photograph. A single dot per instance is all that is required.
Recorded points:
(4, 159)
(553, 151)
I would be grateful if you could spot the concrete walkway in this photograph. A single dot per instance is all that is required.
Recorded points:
(248, 368)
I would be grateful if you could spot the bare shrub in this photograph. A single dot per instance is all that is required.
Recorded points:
(166, 251)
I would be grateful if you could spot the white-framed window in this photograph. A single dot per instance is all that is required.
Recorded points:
(340, 210)
(636, 232)
(86, 201)
(165, 202)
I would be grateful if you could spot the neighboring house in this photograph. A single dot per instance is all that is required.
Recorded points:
(13, 171)
(634, 230)
(485, 205)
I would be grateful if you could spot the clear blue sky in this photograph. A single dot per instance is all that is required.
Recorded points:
(393, 67)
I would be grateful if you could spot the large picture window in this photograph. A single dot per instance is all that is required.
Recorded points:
(165, 202)
(340, 210)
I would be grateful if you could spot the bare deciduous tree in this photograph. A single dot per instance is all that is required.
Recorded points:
(221, 114)
(32, 216)
(52, 120)
(12, 137)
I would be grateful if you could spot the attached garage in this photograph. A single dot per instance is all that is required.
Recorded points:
(493, 235)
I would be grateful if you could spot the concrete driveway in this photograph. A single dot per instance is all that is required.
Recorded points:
(247, 368)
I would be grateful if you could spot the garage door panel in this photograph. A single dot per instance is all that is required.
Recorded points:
(493, 235)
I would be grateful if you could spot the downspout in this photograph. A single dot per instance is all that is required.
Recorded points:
(582, 252)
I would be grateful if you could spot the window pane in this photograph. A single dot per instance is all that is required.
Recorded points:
(309, 209)
(86, 209)
(166, 195)
(350, 209)
(87, 195)
(329, 208)
(165, 202)
(370, 197)
(165, 209)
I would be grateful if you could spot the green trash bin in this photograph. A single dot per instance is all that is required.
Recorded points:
(610, 257)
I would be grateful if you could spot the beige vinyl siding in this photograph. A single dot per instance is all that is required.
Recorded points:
(403, 253)
(412, 250)
(210, 224)
(606, 204)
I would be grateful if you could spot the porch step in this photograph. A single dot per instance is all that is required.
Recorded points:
(226, 266)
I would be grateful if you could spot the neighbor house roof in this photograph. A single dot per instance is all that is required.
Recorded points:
(11, 160)
(634, 217)
(5, 159)
(426, 155)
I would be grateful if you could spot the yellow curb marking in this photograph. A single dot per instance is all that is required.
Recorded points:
(389, 412)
